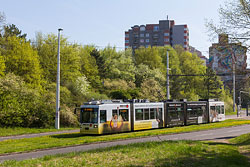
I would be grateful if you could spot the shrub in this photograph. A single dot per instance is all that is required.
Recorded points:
(23, 106)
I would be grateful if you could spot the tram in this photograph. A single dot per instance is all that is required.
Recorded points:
(113, 116)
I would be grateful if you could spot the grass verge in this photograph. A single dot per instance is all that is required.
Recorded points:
(21, 131)
(30, 144)
(167, 154)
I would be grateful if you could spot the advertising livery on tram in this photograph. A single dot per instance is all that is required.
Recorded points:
(113, 116)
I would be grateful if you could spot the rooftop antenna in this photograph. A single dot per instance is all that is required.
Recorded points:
(167, 17)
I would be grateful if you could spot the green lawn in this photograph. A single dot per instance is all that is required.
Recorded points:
(21, 131)
(61, 140)
(167, 154)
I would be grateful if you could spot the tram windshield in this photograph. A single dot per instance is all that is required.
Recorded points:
(89, 115)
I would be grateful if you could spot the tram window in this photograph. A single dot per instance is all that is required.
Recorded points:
(124, 114)
(222, 110)
(152, 113)
(217, 109)
(146, 114)
(199, 111)
(89, 115)
(191, 112)
(173, 114)
(115, 114)
(212, 109)
(103, 117)
(138, 114)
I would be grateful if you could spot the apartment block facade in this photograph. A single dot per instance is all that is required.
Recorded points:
(164, 33)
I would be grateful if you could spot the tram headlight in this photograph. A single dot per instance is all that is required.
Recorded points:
(95, 126)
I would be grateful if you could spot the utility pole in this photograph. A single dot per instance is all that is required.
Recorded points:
(234, 89)
(57, 121)
(168, 90)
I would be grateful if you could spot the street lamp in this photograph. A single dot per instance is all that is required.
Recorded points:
(57, 121)
(168, 90)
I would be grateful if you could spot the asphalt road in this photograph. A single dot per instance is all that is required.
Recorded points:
(222, 133)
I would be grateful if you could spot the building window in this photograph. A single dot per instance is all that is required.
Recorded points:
(136, 35)
(155, 36)
(166, 40)
(126, 47)
(185, 29)
(185, 34)
(142, 35)
(147, 34)
(147, 40)
(126, 41)
(126, 35)
(166, 34)
(156, 28)
(147, 46)
(141, 40)
(142, 28)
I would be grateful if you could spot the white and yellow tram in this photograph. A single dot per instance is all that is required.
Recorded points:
(112, 116)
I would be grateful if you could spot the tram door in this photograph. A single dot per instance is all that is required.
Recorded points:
(174, 114)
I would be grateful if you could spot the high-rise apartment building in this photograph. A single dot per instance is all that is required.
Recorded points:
(164, 33)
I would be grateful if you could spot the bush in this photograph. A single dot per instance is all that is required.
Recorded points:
(67, 117)
(22, 105)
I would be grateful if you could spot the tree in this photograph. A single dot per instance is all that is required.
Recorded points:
(22, 60)
(151, 89)
(214, 85)
(100, 62)
(176, 85)
(88, 64)
(143, 72)
(122, 66)
(2, 65)
(190, 64)
(12, 30)
(234, 20)
(70, 59)
(148, 56)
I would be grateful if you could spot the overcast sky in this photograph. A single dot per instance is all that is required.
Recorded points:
(103, 22)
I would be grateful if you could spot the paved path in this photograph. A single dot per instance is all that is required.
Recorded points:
(242, 115)
(214, 134)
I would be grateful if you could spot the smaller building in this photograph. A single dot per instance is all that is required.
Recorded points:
(223, 54)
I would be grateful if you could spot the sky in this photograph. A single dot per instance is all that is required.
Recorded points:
(103, 22)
